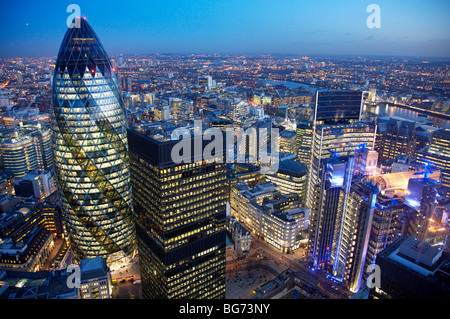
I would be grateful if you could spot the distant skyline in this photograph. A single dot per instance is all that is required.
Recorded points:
(323, 27)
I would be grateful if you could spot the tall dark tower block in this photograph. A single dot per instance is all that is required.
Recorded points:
(180, 214)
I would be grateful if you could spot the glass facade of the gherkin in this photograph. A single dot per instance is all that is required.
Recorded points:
(90, 148)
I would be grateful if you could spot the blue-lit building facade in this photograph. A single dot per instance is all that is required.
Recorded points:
(421, 198)
(325, 222)
(438, 155)
(341, 140)
(341, 203)
(355, 223)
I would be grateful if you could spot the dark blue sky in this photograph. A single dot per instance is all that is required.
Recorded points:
(328, 27)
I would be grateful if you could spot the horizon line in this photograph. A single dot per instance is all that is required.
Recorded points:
(348, 55)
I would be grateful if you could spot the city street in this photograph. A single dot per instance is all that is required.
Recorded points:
(244, 276)
(126, 290)
(51, 258)
(126, 277)
(264, 263)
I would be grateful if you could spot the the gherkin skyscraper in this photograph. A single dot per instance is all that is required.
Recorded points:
(90, 148)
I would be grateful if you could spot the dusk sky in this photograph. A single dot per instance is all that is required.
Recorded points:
(408, 28)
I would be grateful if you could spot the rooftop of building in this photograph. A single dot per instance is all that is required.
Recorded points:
(36, 285)
(442, 133)
(21, 208)
(279, 198)
(383, 202)
(288, 134)
(338, 126)
(237, 225)
(157, 147)
(292, 168)
(403, 159)
(426, 129)
(258, 190)
(276, 206)
(419, 251)
(399, 180)
(5, 198)
(21, 251)
(290, 216)
(160, 131)
(395, 124)
(33, 175)
(23, 133)
(93, 268)
(243, 168)
(421, 259)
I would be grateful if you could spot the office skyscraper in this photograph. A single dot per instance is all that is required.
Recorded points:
(180, 214)
(90, 148)
(29, 150)
(395, 137)
(304, 142)
(438, 154)
(291, 178)
(337, 106)
(342, 139)
(335, 129)
(336, 134)
(354, 233)
(334, 174)
(421, 197)
(386, 226)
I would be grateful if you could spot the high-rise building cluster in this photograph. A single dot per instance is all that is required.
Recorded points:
(167, 171)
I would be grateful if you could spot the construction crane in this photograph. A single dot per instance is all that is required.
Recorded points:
(20, 117)
(298, 115)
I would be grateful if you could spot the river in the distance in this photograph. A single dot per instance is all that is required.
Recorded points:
(290, 85)
(383, 109)
(410, 115)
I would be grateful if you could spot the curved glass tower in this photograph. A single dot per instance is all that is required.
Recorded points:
(90, 148)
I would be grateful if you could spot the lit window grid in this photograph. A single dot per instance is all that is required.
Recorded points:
(171, 202)
(91, 140)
